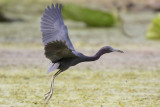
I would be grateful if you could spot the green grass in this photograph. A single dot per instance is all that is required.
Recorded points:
(26, 87)
(154, 30)
(91, 17)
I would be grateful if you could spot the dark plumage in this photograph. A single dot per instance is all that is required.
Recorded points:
(58, 47)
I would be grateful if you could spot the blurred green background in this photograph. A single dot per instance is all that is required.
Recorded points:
(116, 80)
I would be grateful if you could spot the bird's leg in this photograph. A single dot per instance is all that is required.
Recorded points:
(51, 86)
(49, 94)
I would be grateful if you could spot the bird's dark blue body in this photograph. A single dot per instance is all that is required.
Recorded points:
(65, 63)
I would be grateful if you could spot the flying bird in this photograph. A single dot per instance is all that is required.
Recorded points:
(58, 47)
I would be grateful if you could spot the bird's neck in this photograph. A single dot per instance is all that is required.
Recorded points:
(96, 56)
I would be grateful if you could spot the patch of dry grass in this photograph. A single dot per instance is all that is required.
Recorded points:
(27, 86)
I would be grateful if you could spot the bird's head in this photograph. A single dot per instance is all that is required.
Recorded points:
(108, 49)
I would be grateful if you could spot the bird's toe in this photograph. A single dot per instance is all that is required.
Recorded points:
(47, 96)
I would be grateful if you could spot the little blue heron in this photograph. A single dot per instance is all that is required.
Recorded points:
(58, 47)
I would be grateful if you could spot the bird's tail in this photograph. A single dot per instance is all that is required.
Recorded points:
(52, 67)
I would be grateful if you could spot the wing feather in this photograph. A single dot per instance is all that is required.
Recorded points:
(52, 24)
(55, 34)
(57, 50)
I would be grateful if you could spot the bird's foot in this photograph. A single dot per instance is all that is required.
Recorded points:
(48, 96)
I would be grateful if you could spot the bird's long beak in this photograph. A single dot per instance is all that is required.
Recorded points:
(117, 50)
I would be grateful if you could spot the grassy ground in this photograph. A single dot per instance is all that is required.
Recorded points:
(131, 79)
(88, 88)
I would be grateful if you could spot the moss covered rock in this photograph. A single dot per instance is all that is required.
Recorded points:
(154, 30)
(91, 17)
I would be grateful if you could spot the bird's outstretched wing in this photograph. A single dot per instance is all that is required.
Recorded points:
(55, 34)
